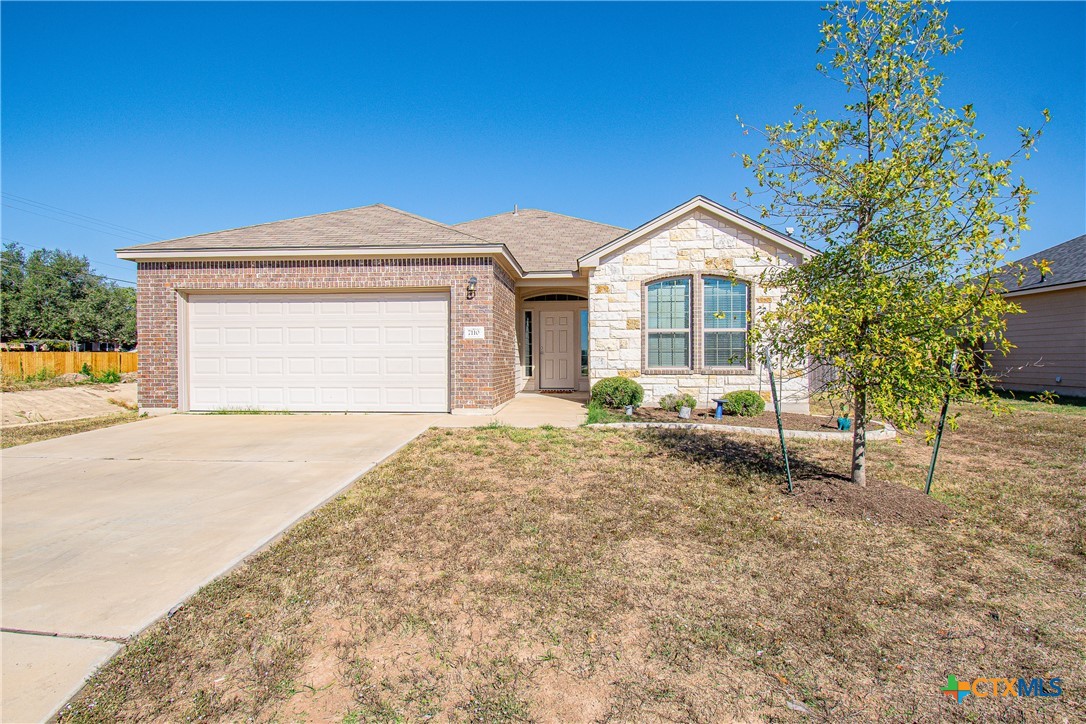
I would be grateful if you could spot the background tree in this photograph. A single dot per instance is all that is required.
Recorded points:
(913, 217)
(107, 314)
(53, 294)
(12, 274)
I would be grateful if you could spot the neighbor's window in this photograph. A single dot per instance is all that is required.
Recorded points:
(584, 343)
(668, 327)
(724, 305)
(529, 369)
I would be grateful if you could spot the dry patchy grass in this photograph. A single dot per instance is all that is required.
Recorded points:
(616, 575)
(23, 434)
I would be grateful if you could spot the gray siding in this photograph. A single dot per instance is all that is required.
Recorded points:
(1050, 343)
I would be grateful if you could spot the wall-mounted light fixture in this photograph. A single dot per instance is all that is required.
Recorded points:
(471, 287)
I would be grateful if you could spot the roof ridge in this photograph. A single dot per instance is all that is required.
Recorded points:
(409, 215)
(545, 211)
(1072, 240)
(253, 226)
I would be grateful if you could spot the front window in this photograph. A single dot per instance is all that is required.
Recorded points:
(724, 311)
(668, 308)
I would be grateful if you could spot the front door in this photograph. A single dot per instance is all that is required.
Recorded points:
(558, 353)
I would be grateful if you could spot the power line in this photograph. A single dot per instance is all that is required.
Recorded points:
(40, 204)
(72, 223)
(43, 248)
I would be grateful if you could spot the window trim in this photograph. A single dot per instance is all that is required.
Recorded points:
(688, 330)
(529, 343)
(716, 369)
(697, 364)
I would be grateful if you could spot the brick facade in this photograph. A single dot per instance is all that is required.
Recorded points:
(481, 371)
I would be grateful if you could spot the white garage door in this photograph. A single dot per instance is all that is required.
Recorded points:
(377, 352)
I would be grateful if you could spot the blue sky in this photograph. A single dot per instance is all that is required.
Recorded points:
(175, 119)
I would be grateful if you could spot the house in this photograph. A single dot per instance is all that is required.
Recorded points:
(1049, 340)
(376, 309)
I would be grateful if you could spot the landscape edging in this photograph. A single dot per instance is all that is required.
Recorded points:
(888, 431)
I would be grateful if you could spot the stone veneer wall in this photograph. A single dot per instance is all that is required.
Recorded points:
(698, 243)
(481, 370)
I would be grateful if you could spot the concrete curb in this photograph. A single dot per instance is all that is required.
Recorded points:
(888, 432)
(36, 423)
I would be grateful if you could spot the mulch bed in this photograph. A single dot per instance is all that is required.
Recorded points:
(766, 419)
(878, 501)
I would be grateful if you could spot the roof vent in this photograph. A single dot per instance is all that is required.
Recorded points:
(516, 211)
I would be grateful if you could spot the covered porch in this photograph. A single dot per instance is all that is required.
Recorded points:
(552, 336)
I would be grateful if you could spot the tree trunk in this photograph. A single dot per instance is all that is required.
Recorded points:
(859, 439)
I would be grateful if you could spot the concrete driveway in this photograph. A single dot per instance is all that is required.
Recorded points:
(106, 531)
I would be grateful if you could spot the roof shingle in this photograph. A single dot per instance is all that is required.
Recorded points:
(366, 226)
(1067, 260)
(543, 241)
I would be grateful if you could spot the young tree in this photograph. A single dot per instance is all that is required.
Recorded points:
(913, 217)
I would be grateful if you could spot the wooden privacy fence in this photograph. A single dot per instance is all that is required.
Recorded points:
(25, 364)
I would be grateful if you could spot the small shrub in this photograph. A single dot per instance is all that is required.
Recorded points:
(745, 403)
(675, 401)
(43, 375)
(86, 370)
(109, 377)
(616, 392)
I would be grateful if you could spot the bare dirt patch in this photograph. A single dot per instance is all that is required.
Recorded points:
(878, 501)
(605, 574)
(58, 403)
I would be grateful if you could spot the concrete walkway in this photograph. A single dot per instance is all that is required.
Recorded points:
(106, 531)
(528, 409)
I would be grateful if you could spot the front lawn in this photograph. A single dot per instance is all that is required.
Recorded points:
(593, 574)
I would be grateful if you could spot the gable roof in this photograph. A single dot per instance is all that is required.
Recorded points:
(377, 225)
(543, 241)
(1068, 262)
(707, 205)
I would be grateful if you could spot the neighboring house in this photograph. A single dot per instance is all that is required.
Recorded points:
(1050, 338)
(376, 309)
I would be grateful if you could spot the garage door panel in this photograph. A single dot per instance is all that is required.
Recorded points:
(238, 395)
(301, 366)
(268, 308)
(298, 308)
(333, 365)
(270, 396)
(327, 352)
(269, 335)
(239, 366)
(399, 335)
(269, 366)
(366, 365)
(300, 335)
(208, 337)
(432, 366)
(332, 335)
